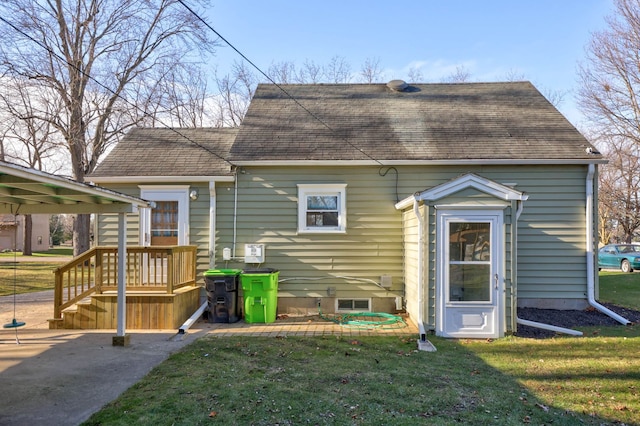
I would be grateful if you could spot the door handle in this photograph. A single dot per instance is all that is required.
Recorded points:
(495, 278)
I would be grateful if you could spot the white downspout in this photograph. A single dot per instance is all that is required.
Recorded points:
(590, 255)
(534, 323)
(421, 327)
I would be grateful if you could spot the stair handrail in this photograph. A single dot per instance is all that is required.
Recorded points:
(85, 274)
(77, 288)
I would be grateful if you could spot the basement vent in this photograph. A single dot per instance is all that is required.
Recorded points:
(353, 305)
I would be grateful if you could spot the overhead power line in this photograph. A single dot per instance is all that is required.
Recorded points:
(144, 112)
(314, 116)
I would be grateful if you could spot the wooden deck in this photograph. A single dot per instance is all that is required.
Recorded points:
(161, 290)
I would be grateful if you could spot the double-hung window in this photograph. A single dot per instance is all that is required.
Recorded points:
(322, 208)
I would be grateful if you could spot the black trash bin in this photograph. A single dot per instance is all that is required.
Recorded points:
(222, 294)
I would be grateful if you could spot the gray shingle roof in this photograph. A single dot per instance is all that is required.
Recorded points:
(467, 121)
(167, 152)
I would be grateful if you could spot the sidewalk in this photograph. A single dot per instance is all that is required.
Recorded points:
(61, 377)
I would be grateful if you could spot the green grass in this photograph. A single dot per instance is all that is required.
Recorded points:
(35, 274)
(620, 288)
(54, 252)
(28, 277)
(385, 380)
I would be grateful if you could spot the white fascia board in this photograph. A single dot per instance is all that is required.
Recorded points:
(158, 179)
(467, 181)
(471, 181)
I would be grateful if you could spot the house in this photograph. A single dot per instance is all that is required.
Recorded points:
(12, 232)
(455, 202)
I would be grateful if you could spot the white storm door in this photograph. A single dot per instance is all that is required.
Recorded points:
(470, 251)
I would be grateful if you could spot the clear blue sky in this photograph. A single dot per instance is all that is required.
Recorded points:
(542, 40)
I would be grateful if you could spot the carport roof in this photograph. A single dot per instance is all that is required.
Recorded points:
(29, 191)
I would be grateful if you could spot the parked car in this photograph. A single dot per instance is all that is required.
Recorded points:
(619, 256)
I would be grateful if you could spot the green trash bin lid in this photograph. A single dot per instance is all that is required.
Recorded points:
(221, 272)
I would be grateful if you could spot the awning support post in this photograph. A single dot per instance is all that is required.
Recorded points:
(121, 338)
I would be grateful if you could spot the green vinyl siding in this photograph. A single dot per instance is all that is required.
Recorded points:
(107, 224)
(309, 264)
(551, 234)
(411, 262)
(551, 230)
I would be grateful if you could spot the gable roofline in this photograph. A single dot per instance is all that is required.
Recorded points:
(469, 180)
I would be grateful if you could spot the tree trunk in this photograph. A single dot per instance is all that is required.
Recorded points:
(27, 250)
(81, 228)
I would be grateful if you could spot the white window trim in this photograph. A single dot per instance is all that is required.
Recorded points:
(179, 193)
(339, 189)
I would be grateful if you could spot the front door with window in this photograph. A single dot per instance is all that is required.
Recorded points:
(470, 247)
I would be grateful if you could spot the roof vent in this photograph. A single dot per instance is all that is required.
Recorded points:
(397, 85)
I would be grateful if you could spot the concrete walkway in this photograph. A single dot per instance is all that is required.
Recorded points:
(61, 377)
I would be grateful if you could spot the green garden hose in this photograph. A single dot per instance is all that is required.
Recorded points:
(357, 319)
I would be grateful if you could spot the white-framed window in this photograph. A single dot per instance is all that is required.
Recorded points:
(322, 208)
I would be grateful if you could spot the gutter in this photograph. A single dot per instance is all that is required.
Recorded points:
(590, 255)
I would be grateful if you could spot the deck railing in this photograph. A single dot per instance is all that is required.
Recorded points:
(155, 268)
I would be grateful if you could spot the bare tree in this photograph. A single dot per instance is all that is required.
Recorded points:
(90, 53)
(610, 76)
(619, 195)
(514, 75)
(283, 72)
(337, 70)
(181, 98)
(461, 75)
(370, 70)
(310, 72)
(28, 140)
(235, 91)
(415, 75)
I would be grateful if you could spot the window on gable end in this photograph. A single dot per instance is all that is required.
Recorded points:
(322, 208)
